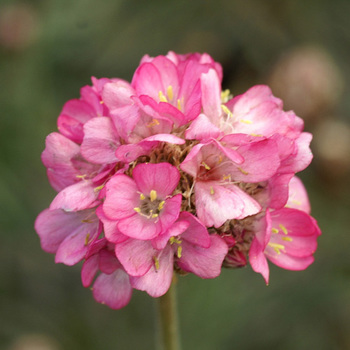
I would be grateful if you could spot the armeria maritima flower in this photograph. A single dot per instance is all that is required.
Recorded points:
(171, 174)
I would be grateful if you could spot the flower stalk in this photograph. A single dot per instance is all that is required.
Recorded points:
(168, 334)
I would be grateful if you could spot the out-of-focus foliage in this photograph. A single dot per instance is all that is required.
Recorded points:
(50, 48)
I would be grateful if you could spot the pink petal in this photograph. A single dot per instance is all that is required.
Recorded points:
(140, 227)
(74, 114)
(202, 128)
(211, 96)
(121, 197)
(157, 280)
(136, 256)
(161, 177)
(203, 262)
(114, 290)
(100, 141)
(196, 233)
(108, 262)
(80, 196)
(298, 198)
(57, 159)
(89, 270)
(215, 203)
(53, 226)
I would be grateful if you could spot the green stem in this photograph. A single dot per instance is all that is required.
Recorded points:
(167, 328)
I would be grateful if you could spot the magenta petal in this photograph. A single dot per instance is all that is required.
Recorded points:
(136, 256)
(114, 290)
(203, 262)
(140, 227)
(258, 260)
(161, 177)
(89, 270)
(100, 141)
(157, 280)
(110, 228)
(121, 197)
(175, 230)
(196, 233)
(80, 196)
(293, 263)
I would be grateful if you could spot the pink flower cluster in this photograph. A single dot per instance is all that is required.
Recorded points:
(170, 173)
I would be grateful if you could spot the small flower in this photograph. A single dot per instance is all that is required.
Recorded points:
(143, 205)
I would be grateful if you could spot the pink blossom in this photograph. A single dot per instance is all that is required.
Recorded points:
(286, 237)
(143, 205)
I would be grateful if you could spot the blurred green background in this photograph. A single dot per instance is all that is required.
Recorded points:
(51, 48)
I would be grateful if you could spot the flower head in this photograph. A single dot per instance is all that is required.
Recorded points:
(170, 174)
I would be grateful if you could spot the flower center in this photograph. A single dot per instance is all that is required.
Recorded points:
(150, 206)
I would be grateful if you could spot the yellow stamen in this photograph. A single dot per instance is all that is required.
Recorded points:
(211, 190)
(137, 209)
(98, 188)
(179, 251)
(156, 263)
(277, 247)
(206, 166)
(161, 205)
(179, 105)
(225, 95)
(226, 177)
(154, 122)
(81, 176)
(283, 228)
(142, 196)
(101, 102)
(169, 92)
(220, 159)
(275, 230)
(87, 237)
(226, 110)
(245, 121)
(154, 216)
(242, 171)
(173, 240)
(161, 96)
(153, 195)
(288, 239)
(257, 135)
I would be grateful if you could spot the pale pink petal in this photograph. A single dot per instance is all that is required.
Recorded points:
(291, 262)
(121, 197)
(211, 96)
(80, 196)
(157, 280)
(136, 256)
(215, 203)
(203, 262)
(114, 290)
(53, 226)
(100, 141)
(298, 198)
(202, 128)
(57, 159)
